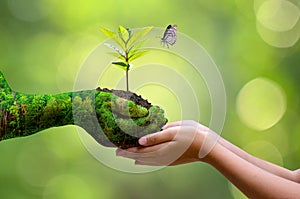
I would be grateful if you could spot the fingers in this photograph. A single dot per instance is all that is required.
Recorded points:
(136, 150)
(166, 135)
(180, 123)
(138, 162)
(158, 155)
(146, 155)
(165, 147)
(134, 154)
(157, 138)
(185, 123)
(172, 124)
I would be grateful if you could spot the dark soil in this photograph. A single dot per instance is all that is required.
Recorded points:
(129, 96)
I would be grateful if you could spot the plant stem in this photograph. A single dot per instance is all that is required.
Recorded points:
(127, 85)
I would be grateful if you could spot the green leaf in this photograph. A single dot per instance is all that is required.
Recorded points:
(138, 35)
(13, 123)
(122, 65)
(120, 52)
(108, 33)
(137, 55)
(136, 47)
(129, 31)
(117, 55)
(124, 34)
(114, 36)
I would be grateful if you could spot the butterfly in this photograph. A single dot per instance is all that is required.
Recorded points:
(169, 35)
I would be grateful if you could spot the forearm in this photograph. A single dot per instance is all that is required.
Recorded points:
(270, 167)
(252, 180)
(111, 117)
(25, 114)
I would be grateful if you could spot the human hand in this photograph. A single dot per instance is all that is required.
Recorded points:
(178, 143)
(191, 123)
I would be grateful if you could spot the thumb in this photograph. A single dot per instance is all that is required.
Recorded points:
(159, 137)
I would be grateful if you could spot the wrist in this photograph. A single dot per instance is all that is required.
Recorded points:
(208, 140)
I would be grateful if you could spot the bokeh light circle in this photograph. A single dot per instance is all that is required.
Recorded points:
(67, 186)
(278, 15)
(29, 10)
(95, 68)
(278, 39)
(261, 103)
(278, 22)
(32, 163)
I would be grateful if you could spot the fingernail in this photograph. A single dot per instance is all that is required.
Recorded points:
(118, 152)
(143, 141)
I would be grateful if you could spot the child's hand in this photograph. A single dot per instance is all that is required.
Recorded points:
(178, 143)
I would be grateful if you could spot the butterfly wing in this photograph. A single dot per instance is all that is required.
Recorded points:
(167, 31)
(170, 36)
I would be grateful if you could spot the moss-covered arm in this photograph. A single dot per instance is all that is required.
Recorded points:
(109, 119)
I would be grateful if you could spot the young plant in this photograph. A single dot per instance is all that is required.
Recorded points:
(129, 46)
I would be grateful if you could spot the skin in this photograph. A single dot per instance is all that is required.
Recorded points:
(182, 142)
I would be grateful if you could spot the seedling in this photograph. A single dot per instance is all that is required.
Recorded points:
(129, 46)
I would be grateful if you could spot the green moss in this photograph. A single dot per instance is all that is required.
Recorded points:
(109, 119)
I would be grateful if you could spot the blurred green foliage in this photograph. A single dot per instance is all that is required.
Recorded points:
(43, 43)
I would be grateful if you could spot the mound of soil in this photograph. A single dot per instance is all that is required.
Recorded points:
(129, 96)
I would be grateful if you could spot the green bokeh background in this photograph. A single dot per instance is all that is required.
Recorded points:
(44, 42)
